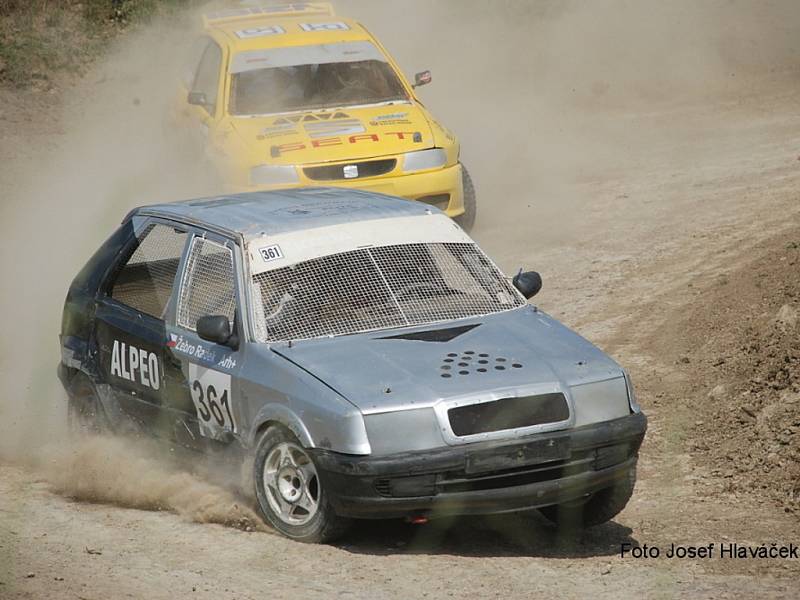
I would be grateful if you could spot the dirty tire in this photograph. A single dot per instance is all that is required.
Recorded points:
(85, 414)
(467, 220)
(325, 525)
(599, 508)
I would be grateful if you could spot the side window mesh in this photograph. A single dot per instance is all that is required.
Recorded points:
(207, 288)
(145, 282)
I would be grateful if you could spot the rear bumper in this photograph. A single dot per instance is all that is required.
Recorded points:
(484, 478)
(415, 186)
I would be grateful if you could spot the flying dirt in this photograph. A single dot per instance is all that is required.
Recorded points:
(643, 157)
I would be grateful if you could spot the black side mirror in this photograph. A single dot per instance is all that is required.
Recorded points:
(528, 283)
(197, 98)
(217, 329)
(422, 78)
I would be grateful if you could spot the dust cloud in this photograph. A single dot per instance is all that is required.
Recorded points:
(551, 98)
(541, 94)
(65, 196)
(111, 151)
(115, 471)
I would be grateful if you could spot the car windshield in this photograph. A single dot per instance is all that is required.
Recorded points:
(379, 288)
(311, 77)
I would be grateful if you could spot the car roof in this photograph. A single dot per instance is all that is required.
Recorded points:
(283, 211)
(292, 32)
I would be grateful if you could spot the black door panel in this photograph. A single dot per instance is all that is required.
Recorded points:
(131, 361)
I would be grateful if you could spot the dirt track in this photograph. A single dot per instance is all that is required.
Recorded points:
(632, 207)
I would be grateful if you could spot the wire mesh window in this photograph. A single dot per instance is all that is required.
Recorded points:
(145, 282)
(380, 288)
(208, 285)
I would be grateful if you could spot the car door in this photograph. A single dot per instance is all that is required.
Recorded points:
(130, 331)
(207, 402)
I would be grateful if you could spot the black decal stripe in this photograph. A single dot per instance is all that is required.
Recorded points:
(434, 335)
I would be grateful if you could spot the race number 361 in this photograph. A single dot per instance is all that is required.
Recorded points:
(269, 253)
(211, 394)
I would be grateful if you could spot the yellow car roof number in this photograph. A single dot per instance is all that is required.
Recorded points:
(259, 31)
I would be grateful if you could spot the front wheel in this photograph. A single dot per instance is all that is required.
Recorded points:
(290, 492)
(595, 509)
(467, 220)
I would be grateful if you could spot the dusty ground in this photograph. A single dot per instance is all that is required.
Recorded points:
(665, 218)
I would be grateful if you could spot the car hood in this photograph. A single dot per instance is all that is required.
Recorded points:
(390, 370)
(352, 133)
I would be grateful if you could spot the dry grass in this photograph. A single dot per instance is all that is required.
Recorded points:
(41, 39)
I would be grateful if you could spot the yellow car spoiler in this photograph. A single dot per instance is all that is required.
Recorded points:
(294, 9)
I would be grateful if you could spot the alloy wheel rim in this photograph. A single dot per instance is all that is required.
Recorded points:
(291, 484)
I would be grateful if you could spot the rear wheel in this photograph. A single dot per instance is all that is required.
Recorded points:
(596, 509)
(467, 220)
(85, 413)
(290, 492)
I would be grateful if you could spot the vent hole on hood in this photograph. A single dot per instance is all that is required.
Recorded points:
(446, 375)
(468, 362)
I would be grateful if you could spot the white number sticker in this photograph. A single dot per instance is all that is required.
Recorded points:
(269, 253)
(211, 394)
(260, 31)
(336, 26)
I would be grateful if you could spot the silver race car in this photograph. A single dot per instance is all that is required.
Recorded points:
(358, 353)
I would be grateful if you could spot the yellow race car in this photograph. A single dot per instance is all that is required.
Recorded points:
(292, 95)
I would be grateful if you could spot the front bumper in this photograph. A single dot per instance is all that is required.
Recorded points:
(490, 477)
(440, 187)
